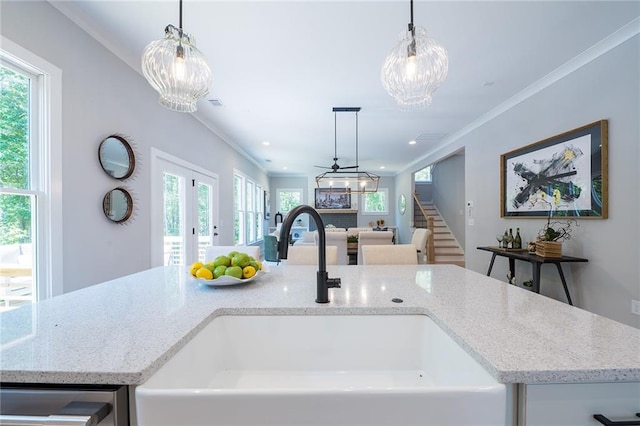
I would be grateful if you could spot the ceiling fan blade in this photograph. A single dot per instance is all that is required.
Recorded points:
(349, 167)
(323, 167)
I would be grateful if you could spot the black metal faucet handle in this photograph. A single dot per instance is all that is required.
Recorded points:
(333, 282)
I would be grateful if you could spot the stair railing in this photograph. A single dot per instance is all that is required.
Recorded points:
(431, 251)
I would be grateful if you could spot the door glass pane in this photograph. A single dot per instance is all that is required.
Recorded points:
(205, 205)
(17, 277)
(174, 238)
(14, 137)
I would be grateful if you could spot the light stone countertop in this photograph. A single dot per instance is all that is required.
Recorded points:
(122, 331)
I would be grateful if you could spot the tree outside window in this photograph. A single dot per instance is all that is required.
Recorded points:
(423, 175)
(288, 199)
(375, 202)
(15, 209)
(248, 210)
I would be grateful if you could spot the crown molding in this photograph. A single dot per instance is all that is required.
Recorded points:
(605, 45)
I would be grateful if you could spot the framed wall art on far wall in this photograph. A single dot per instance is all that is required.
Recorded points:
(267, 205)
(564, 175)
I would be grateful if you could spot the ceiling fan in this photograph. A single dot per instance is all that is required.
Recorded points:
(335, 166)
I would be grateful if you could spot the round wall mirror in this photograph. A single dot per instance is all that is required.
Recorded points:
(402, 204)
(116, 157)
(117, 205)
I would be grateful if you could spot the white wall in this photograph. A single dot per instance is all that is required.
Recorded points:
(103, 95)
(404, 185)
(448, 194)
(606, 88)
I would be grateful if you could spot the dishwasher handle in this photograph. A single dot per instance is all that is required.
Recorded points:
(76, 413)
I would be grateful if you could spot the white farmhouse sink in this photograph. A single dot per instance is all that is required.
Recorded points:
(321, 370)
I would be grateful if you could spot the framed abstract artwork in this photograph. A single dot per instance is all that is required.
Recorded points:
(564, 175)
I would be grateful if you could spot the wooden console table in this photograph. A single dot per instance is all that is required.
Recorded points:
(536, 261)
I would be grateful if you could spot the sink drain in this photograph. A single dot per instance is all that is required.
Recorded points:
(397, 300)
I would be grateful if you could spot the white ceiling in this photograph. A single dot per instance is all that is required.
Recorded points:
(281, 66)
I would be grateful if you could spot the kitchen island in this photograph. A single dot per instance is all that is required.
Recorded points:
(122, 331)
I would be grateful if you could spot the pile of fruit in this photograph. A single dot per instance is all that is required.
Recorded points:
(235, 264)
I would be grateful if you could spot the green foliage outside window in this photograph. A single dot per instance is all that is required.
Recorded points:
(375, 202)
(288, 200)
(15, 210)
(423, 175)
(203, 209)
(171, 205)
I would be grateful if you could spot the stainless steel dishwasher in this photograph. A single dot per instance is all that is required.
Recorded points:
(63, 405)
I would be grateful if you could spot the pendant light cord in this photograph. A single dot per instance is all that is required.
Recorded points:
(357, 163)
(411, 27)
(181, 15)
(335, 136)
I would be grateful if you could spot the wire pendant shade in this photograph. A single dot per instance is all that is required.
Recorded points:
(348, 182)
(340, 180)
(175, 68)
(415, 68)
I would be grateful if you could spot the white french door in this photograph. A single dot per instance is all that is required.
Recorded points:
(185, 198)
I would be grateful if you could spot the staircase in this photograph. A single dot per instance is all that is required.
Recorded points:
(446, 247)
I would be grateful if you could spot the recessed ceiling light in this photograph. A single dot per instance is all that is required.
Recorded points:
(284, 168)
(266, 143)
(382, 167)
(412, 142)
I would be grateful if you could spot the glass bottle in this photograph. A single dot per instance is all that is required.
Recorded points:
(517, 242)
(505, 239)
(510, 238)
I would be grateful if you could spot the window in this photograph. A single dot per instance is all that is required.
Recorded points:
(375, 202)
(30, 158)
(248, 209)
(288, 199)
(423, 175)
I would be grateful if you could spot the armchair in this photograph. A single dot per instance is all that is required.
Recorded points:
(339, 240)
(397, 254)
(376, 238)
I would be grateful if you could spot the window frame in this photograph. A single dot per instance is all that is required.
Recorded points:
(364, 196)
(279, 191)
(430, 167)
(46, 175)
(249, 208)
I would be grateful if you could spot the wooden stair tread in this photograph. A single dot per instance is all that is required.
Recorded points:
(446, 248)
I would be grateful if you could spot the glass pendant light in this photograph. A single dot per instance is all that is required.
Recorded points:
(176, 69)
(415, 68)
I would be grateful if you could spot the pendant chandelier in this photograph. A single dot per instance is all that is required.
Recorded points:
(176, 69)
(349, 179)
(415, 68)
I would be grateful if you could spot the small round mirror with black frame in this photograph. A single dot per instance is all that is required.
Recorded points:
(117, 205)
(116, 157)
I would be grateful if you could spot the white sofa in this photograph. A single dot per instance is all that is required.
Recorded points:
(309, 238)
